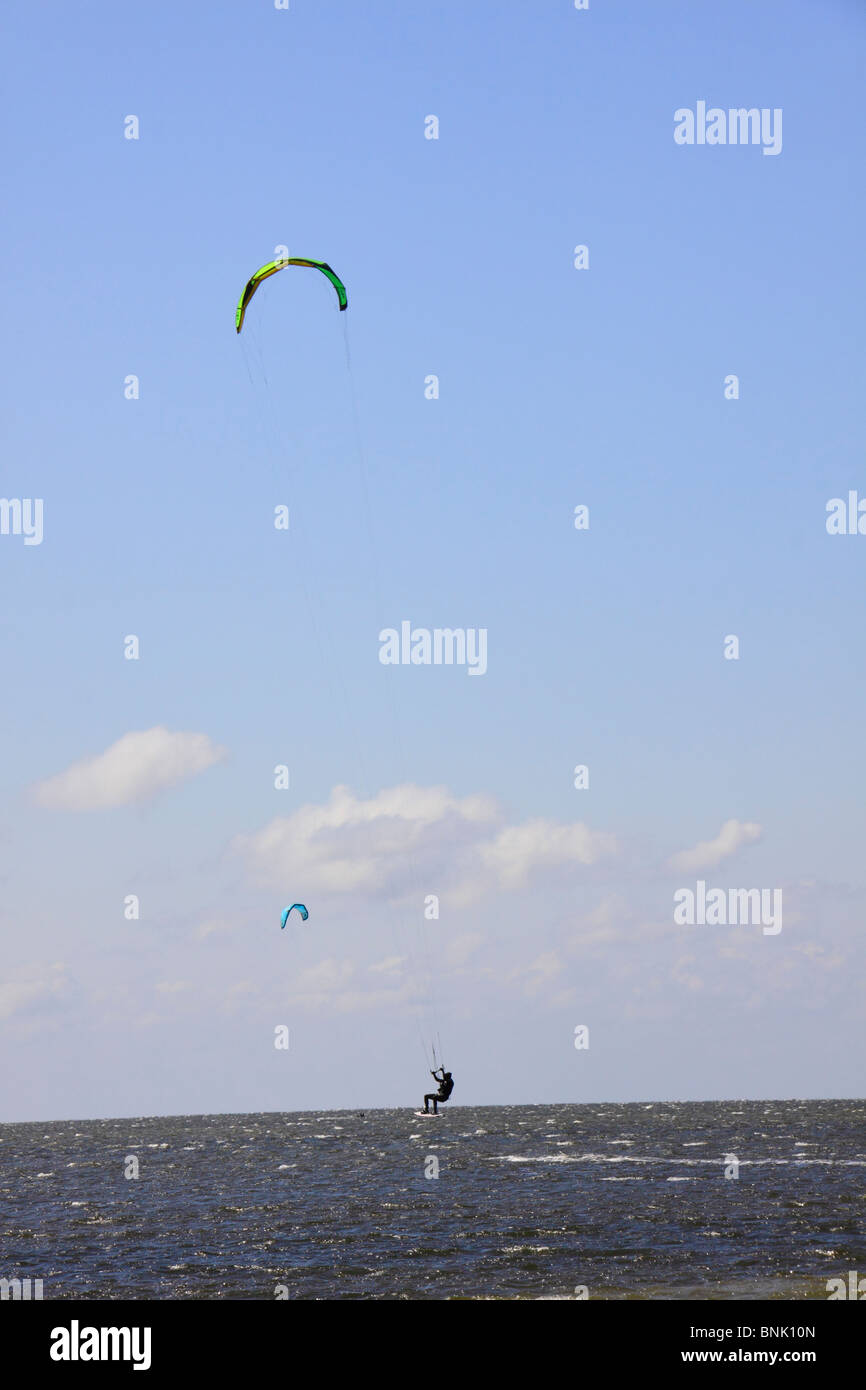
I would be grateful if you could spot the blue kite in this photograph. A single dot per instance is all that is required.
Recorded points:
(286, 910)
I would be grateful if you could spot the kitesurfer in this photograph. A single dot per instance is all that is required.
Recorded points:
(446, 1086)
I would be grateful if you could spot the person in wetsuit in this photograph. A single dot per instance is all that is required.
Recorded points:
(446, 1086)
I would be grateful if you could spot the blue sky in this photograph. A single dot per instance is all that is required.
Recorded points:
(558, 387)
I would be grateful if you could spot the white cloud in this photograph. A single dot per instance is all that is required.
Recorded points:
(323, 979)
(519, 849)
(353, 846)
(326, 985)
(133, 769)
(684, 974)
(213, 926)
(411, 838)
(541, 972)
(355, 1001)
(603, 923)
(31, 988)
(458, 951)
(391, 965)
(708, 853)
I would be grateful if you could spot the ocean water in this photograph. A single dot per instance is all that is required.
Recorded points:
(630, 1201)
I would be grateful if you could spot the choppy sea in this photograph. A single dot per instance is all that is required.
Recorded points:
(541, 1202)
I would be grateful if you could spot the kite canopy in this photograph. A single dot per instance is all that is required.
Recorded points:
(284, 916)
(271, 269)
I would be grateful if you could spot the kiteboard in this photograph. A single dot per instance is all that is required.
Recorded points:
(428, 1114)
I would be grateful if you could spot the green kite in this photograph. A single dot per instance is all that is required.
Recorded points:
(271, 269)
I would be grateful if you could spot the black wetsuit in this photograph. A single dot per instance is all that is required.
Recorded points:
(446, 1086)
